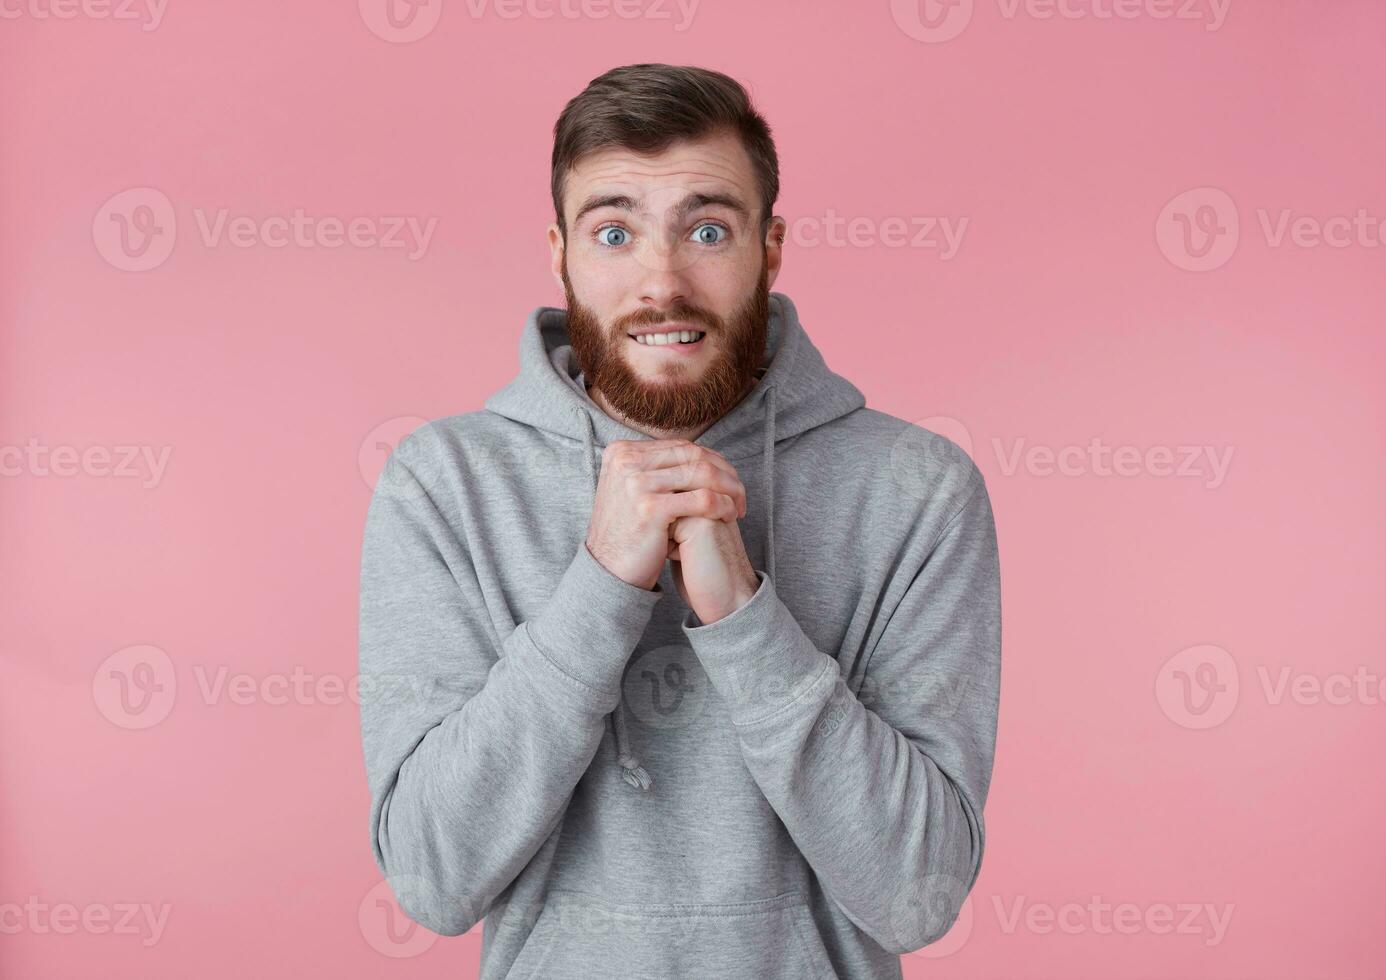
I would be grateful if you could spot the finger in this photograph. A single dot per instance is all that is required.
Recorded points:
(636, 455)
(633, 456)
(629, 456)
(646, 443)
(696, 503)
(690, 477)
(682, 454)
(687, 460)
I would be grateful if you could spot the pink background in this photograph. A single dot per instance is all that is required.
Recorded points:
(1147, 755)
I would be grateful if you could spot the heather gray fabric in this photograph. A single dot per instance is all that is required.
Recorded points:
(619, 790)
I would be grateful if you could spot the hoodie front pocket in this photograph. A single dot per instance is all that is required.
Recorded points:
(580, 937)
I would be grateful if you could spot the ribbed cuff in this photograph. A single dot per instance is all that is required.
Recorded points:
(758, 657)
(591, 624)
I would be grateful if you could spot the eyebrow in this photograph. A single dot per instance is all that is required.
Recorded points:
(690, 203)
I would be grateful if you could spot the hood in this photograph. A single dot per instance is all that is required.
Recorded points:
(795, 392)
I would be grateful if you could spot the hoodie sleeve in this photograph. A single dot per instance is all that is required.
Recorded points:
(882, 793)
(473, 746)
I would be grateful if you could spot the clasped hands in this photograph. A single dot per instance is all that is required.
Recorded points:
(671, 499)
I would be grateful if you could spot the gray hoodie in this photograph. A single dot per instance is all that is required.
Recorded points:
(620, 790)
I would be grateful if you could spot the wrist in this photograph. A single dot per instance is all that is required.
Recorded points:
(745, 593)
(742, 593)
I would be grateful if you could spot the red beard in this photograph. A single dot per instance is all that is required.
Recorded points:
(674, 403)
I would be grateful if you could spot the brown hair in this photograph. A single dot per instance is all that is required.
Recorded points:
(645, 108)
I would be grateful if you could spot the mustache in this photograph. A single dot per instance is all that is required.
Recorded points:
(690, 314)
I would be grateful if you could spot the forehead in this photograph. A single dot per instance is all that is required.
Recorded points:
(714, 164)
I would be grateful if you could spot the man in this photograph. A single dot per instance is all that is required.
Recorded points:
(677, 660)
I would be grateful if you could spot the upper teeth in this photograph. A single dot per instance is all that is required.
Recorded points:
(677, 337)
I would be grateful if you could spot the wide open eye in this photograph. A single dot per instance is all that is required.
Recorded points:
(719, 234)
(612, 236)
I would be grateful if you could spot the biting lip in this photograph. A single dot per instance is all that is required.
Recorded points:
(676, 346)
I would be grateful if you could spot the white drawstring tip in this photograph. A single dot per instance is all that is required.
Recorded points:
(636, 776)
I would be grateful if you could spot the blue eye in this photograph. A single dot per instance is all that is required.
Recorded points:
(708, 233)
(704, 239)
(602, 233)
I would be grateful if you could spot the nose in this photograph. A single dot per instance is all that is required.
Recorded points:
(664, 279)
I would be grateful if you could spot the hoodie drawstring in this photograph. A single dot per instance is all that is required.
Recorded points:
(631, 770)
(768, 465)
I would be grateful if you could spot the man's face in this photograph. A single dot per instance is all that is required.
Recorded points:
(663, 244)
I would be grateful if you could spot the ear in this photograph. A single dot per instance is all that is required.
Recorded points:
(774, 248)
(556, 254)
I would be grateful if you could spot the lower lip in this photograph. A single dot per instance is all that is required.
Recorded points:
(692, 348)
